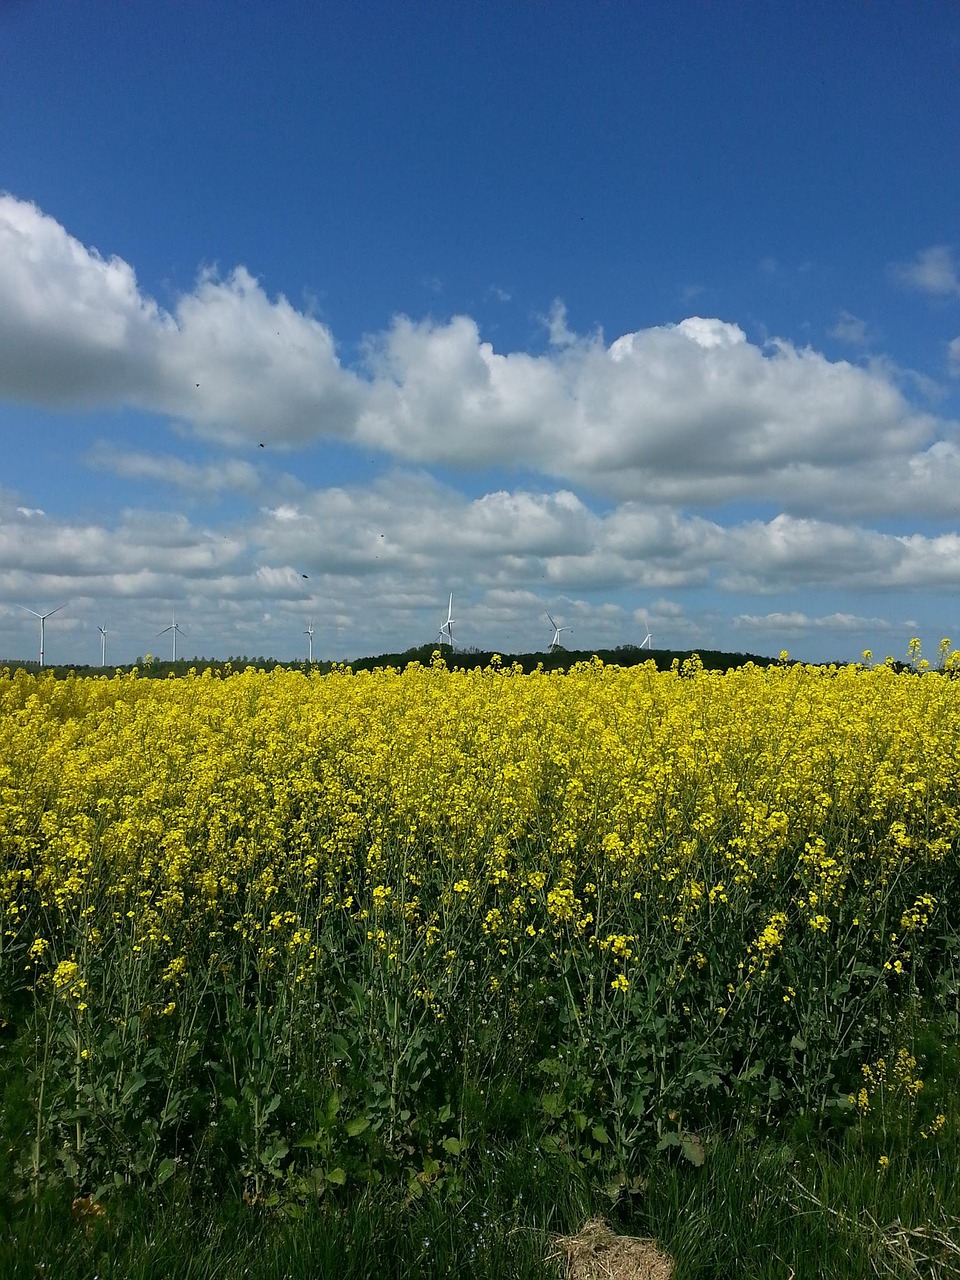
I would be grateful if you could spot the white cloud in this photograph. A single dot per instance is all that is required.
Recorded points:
(374, 566)
(933, 270)
(690, 413)
(76, 330)
(242, 367)
(787, 553)
(797, 623)
(561, 335)
(851, 329)
(953, 357)
(229, 475)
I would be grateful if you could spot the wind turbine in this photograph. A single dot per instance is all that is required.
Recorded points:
(446, 628)
(43, 617)
(175, 628)
(647, 641)
(309, 634)
(103, 645)
(555, 642)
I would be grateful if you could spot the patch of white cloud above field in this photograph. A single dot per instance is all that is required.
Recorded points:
(691, 414)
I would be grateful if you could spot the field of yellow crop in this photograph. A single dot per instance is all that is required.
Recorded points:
(295, 930)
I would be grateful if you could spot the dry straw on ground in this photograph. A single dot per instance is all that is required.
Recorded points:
(597, 1253)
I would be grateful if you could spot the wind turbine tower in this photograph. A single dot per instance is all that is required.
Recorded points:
(309, 634)
(103, 645)
(446, 628)
(557, 631)
(43, 617)
(175, 628)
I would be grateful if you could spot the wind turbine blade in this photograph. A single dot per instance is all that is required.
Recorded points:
(33, 611)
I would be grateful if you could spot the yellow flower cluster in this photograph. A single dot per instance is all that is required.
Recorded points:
(165, 824)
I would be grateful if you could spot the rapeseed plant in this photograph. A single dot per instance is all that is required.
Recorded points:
(227, 901)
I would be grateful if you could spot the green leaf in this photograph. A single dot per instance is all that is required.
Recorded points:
(274, 1153)
(638, 1103)
(165, 1171)
(337, 1177)
(339, 1048)
(134, 1085)
(356, 1126)
(692, 1149)
(451, 1146)
(599, 1134)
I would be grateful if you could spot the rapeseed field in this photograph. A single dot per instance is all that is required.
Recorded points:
(290, 933)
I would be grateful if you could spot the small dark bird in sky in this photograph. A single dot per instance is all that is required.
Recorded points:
(198, 384)
(303, 575)
(261, 446)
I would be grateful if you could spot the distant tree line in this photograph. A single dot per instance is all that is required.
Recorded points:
(624, 655)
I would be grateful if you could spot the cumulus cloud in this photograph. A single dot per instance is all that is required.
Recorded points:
(75, 330)
(690, 413)
(74, 327)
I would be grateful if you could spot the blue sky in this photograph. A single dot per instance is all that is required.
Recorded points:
(644, 315)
